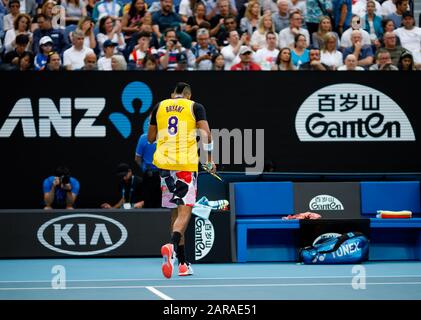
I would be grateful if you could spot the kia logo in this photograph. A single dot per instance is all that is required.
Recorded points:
(82, 234)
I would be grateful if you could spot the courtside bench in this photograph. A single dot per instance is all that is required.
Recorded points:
(392, 239)
(263, 236)
(258, 207)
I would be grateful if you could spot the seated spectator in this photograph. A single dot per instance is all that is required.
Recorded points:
(54, 62)
(218, 62)
(217, 21)
(26, 62)
(258, 38)
(350, 64)
(104, 63)
(21, 43)
(325, 26)
(230, 24)
(60, 189)
(390, 45)
(372, 23)
(314, 63)
(118, 63)
(406, 62)
(389, 26)
(268, 6)
(215, 8)
(130, 188)
(363, 53)
(111, 30)
(266, 56)
(86, 26)
(149, 63)
(231, 51)
(410, 37)
(185, 9)
(330, 55)
(203, 51)
(383, 62)
(168, 53)
(60, 42)
(9, 19)
(246, 63)
(74, 9)
(284, 61)
(132, 20)
(73, 58)
(165, 18)
(194, 21)
(136, 57)
(281, 17)
(300, 53)
(250, 21)
(111, 8)
(359, 8)
(315, 10)
(21, 25)
(90, 62)
(396, 17)
(46, 46)
(287, 36)
(355, 25)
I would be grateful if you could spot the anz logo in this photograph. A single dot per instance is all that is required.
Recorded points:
(60, 117)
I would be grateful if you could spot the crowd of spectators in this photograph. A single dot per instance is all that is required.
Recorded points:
(221, 35)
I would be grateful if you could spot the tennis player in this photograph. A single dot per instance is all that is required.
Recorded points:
(174, 125)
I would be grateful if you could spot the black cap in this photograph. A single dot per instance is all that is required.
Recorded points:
(122, 169)
(109, 43)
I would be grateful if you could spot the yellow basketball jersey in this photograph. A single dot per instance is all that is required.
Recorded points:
(176, 139)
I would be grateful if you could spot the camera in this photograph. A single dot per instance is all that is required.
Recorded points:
(64, 179)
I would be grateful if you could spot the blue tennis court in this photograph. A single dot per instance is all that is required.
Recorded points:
(141, 279)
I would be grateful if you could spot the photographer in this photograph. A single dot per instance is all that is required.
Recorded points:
(168, 53)
(130, 187)
(60, 190)
(151, 179)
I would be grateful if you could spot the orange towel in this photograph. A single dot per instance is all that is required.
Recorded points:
(386, 214)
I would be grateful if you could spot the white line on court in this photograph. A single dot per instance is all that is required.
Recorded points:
(159, 293)
(214, 278)
(215, 286)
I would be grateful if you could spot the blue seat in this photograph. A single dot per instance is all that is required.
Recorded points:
(258, 207)
(390, 195)
(392, 239)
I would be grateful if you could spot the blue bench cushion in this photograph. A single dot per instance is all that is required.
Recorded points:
(394, 196)
(263, 198)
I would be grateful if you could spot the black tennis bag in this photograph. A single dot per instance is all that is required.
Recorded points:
(333, 248)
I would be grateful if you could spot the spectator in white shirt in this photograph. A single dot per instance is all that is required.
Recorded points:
(266, 56)
(287, 35)
(73, 58)
(410, 37)
(330, 55)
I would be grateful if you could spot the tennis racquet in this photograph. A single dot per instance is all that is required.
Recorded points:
(206, 168)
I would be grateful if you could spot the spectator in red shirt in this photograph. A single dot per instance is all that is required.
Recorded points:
(246, 61)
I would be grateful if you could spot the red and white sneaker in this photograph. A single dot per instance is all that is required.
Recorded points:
(185, 269)
(168, 255)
